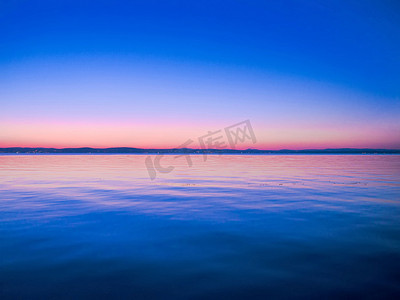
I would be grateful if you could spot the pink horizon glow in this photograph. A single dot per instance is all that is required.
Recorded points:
(173, 135)
(104, 104)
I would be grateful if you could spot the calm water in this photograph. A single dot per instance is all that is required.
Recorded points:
(269, 226)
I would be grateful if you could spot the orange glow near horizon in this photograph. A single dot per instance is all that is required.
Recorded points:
(141, 135)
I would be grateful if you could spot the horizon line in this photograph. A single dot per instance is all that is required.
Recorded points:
(186, 150)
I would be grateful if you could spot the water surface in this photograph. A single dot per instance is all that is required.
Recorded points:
(252, 226)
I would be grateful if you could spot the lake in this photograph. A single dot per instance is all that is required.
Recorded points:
(233, 227)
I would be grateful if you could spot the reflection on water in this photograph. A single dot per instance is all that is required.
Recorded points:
(254, 226)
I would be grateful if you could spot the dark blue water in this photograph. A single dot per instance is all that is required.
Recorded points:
(297, 226)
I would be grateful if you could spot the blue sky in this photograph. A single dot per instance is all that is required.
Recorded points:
(292, 67)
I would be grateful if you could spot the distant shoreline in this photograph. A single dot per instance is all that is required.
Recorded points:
(127, 150)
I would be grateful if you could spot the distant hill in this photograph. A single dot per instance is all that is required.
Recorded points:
(128, 150)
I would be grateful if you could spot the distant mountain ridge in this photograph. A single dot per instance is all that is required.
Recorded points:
(128, 150)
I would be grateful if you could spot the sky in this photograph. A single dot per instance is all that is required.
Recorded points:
(154, 74)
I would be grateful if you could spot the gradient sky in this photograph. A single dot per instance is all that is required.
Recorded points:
(308, 74)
